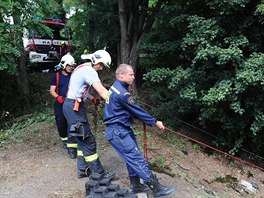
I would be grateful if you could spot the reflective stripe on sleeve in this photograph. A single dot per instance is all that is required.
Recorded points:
(115, 90)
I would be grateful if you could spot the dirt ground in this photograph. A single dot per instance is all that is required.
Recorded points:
(40, 167)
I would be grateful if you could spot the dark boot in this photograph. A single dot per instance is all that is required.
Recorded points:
(84, 173)
(136, 186)
(158, 189)
(72, 153)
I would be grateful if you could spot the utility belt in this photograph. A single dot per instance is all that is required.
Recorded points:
(76, 102)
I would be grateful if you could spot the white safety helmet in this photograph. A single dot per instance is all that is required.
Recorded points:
(101, 56)
(86, 56)
(67, 60)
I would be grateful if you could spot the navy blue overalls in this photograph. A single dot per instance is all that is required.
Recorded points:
(119, 112)
(86, 150)
(61, 82)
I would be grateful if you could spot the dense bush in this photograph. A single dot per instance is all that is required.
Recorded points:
(209, 60)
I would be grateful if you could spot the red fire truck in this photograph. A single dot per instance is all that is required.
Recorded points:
(43, 49)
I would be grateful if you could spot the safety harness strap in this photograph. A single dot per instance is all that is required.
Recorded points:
(57, 82)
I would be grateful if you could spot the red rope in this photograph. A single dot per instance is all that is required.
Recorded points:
(145, 142)
(215, 149)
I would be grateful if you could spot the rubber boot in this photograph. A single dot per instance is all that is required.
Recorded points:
(136, 186)
(159, 190)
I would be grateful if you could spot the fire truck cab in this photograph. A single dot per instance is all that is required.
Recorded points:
(47, 49)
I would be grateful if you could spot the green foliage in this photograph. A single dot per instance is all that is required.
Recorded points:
(202, 32)
(94, 25)
(251, 72)
(197, 147)
(158, 164)
(260, 11)
(214, 77)
(226, 179)
(155, 75)
(258, 124)
(225, 7)
(223, 56)
(218, 93)
(8, 49)
(237, 145)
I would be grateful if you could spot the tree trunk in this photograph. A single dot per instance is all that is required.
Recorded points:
(134, 23)
(23, 83)
(127, 20)
(125, 40)
(21, 69)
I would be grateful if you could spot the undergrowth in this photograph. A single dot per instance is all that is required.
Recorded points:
(9, 133)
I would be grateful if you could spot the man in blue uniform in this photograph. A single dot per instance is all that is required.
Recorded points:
(119, 111)
(58, 89)
(82, 79)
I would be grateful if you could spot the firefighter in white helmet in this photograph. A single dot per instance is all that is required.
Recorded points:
(58, 89)
(82, 79)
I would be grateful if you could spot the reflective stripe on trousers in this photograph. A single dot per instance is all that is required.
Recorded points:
(89, 158)
(64, 139)
(71, 145)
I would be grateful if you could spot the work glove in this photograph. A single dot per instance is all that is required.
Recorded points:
(60, 99)
(97, 102)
